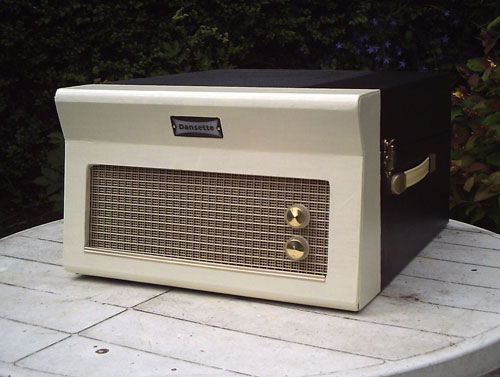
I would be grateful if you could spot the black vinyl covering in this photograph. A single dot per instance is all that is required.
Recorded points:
(401, 92)
(287, 78)
(271, 78)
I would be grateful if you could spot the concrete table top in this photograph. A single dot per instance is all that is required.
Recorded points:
(439, 317)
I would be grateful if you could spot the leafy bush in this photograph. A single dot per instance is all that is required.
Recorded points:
(475, 171)
(47, 45)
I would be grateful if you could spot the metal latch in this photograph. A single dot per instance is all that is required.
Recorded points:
(389, 156)
(399, 182)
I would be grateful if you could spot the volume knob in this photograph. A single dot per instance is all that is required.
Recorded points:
(297, 216)
(297, 248)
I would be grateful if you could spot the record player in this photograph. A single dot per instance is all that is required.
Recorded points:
(311, 187)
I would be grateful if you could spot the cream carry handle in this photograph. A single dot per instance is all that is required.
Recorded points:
(401, 181)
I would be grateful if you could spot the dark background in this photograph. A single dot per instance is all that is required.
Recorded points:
(46, 45)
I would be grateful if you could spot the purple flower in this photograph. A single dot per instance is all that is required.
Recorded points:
(393, 22)
(327, 61)
(339, 45)
(376, 48)
(374, 22)
(387, 44)
(402, 64)
(386, 60)
(301, 49)
(456, 21)
(357, 51)
(370, 49)
(445, 39)
(363, 38)
(423, 69)
(399, 52)
(378, 58)
(446, 13)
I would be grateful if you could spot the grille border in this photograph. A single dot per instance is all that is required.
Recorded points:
(215, 264)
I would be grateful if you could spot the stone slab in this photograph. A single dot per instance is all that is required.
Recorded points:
(221, 348)
(456, 237)
(32, 249)
(52, 311)
(442, 293)
(297, 326)
(18, 340)
(461, 273)
(52, 231)
(419, 315)
(462, 254)
(11, 370)
(458, 225)
(78, 356)
(55, 279)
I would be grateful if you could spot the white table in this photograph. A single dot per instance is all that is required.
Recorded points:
(440, 317)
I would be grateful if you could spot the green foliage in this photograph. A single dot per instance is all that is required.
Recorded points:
(475, 155)
(52, 175)
(47, 45)
(51, 44)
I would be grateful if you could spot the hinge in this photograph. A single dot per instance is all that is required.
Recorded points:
(389, 156)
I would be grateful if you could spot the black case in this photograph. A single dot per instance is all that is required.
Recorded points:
(415, 112)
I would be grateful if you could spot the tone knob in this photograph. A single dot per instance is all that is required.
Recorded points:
(297, 216)
(297, 248)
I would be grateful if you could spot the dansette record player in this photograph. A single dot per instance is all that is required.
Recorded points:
(311, 187)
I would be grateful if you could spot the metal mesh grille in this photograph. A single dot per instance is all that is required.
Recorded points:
(224, 219)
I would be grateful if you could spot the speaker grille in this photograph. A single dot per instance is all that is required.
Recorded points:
(230, 220)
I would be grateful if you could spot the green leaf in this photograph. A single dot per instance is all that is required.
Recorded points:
(55, 158)
(494, 178)
(495, 216)
(479, 106)
(493, 159)
(57, 197)
(484, 192)
(467, 160)
(475, 65)
(493, 24)
(50, 174)
(456, 155)
(482, 177)
(486, 75)
(53, 188)
(492, 119)
(463, 71)
(469, 183)
(477, 215)
(56, 137)
(471, 142)
(58, 206)
(470, 208)
(42, 181)
(455, 113)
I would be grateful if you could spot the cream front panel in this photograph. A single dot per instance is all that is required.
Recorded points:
(325, 134)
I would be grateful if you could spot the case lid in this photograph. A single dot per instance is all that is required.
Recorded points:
(414, 105)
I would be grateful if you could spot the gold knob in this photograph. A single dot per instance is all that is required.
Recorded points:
(297, 216)
(297, 248)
